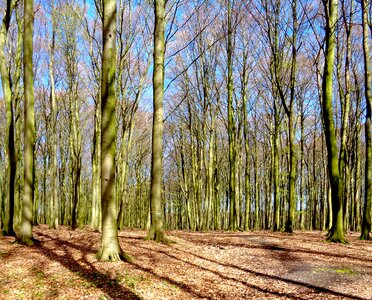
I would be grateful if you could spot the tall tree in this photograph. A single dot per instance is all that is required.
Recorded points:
(53, 106)
(336, 233)
(291, 126)
(366, 225)
(7, 92)
(110, 249)
(156, 230)
(233, 222)
(95, 57)
(25, 235)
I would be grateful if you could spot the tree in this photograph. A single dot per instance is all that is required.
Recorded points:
(336, 233)
(25, 235)
(156, 230)
(95, 57)
(233, 222)
(110, 249)
(8, 97)
(366, 225)
(53, 105)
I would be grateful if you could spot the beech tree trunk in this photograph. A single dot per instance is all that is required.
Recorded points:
(7, 217)
(110, 249)
(231, 123)
(25, 235)
(156, 229)
(366, 224)
(54, 216)
(336, 233)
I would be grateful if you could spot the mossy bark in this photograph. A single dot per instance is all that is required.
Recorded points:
(336, 233)
(25, 235)
(156, 232)
(366, 225)
(7, 218)
(110, 249)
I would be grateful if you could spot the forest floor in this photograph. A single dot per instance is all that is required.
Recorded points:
(210, 265)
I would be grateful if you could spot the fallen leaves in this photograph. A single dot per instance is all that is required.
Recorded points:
(210, 265)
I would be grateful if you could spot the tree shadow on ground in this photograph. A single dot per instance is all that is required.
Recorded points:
(284, 257)
(186, 288)
(219, 274)
(224, 243)
(83, 268)
(103, 281)
(315, 288)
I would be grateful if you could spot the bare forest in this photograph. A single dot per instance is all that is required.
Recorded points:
(208, 148)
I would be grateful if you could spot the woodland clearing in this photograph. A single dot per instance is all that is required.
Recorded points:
(199, 265)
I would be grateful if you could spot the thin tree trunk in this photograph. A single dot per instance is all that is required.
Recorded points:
(54, 168)
(302, 168)
(345, 107)
(17, 93)
(156, 230)
(96, 219)
(275, 142)
(231, 122)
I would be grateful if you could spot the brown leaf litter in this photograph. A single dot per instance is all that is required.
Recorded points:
(200, 265)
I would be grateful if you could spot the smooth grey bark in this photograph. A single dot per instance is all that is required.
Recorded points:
(110, 249)
(336, 233)
(25, 234)
(7, 217)
(156, 231)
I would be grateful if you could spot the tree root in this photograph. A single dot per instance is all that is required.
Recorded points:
(8, 233)
(110, 255)
(158, 236)
(26, 241)
(365, 236)
(288, 230)
(334, 237)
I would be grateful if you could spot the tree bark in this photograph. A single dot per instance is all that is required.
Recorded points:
(25, 235)
(10, 149)
(110, 249)
(336, 233)
(231, 122)
(156, 231)
(54, 167)
(366, 224)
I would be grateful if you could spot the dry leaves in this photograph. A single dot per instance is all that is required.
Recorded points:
(211, 265)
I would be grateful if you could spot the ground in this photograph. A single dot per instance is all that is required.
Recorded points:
(208, 265)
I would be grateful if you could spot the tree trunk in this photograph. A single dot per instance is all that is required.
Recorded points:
(336, 233)
(345, 108)
(54, 167)
(96, 219)
(25, 235)
(231, 122)
(17, 94)
(302, 168)
(8, 99)
(156, 230)
(275, 155)
(366, 224)
(110, 248)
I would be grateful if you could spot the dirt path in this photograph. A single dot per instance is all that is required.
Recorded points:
(215, 265)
